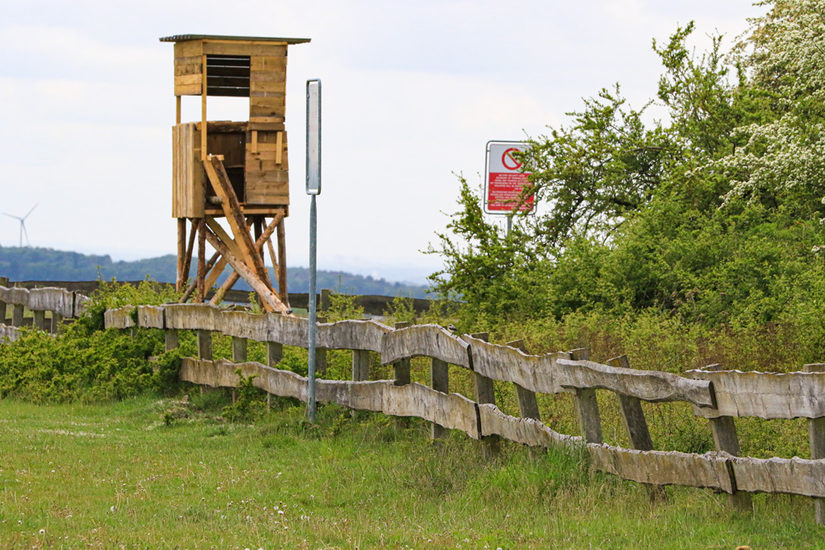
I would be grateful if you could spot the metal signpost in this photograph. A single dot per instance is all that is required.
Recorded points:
(313, 188)
(504, 180)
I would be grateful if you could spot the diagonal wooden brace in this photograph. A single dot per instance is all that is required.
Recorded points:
(259, 244)
(221, 233)
(271, 300)
(207, 285)
(234, 215)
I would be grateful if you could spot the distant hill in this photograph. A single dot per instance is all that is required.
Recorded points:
(46, 264)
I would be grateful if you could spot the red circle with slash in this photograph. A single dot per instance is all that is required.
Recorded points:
(508, 161)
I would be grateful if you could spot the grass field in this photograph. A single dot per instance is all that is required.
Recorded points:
(159, 473)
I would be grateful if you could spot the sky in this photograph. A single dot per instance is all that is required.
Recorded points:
(411, 92)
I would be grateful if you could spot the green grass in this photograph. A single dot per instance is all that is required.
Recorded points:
(120, 475)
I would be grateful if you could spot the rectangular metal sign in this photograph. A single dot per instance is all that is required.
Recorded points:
(313, 175)
(504, 180)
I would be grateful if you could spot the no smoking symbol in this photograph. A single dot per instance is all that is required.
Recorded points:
(509, 161)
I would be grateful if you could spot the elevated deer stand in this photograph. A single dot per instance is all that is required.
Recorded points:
(232, 170)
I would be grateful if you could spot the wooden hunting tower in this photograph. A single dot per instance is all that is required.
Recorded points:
(236, 170)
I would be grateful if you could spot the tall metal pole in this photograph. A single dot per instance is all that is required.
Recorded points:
(313, 313)
(313, 188)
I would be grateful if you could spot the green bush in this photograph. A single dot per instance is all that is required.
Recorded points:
(86, 362)
(249, 404)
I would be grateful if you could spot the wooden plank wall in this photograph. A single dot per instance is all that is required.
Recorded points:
(188, 67)
(188, 191)
(267, 86)
(267, 167)
(267, 176)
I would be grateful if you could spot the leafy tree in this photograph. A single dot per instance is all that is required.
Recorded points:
(782, 161)
(712, 216)
(596, 172)
(484, 267)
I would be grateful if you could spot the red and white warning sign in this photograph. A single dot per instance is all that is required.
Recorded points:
(505, 181)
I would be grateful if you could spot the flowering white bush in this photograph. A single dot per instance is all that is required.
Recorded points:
(783, 159)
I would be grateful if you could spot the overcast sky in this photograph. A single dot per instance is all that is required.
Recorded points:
(412, 91)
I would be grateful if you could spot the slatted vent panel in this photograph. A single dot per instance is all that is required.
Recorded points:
(227, 75)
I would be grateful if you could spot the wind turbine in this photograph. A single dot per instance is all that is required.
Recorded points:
(22, 225)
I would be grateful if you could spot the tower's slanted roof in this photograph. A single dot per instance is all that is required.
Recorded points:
(185, 37)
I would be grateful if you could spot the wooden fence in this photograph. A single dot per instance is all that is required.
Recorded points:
(59, 302)
(372, 304)
(718, 395)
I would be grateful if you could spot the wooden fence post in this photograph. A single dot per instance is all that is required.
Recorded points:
(440, 381)
(725, 439)
(205, 345)
(402, 366)
(57, 320)
(485, 393)
(171, 339)
(816, 438)
(239, 347)
(527, 404)
(360, 365)
(326, 300)
(587, 407)
(360, 370)
(274, 353)
(320, 361)
(321, 353)
(401, 375)
(39, 319)
(636, 424)
(17, 315)
(4, 282)
(204, 348)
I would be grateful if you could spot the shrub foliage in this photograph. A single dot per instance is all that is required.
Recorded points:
(712, 217)
(86, 362)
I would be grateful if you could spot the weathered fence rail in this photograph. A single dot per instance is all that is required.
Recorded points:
(61, 303)
(373, 304)
(766, 395)
(718, 395)
(715, 470)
